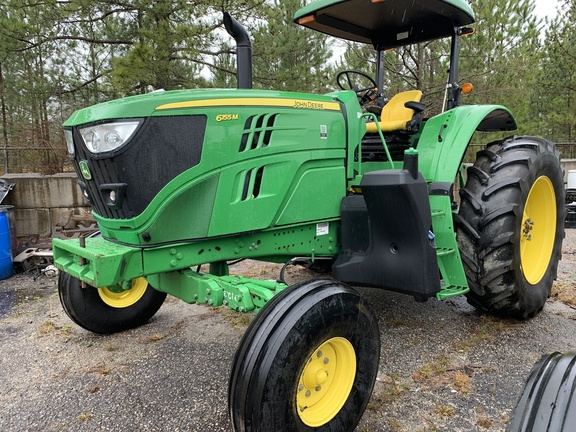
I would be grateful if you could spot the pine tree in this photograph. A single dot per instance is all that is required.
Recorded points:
(556, 88)
(289, 57)
(502, 57)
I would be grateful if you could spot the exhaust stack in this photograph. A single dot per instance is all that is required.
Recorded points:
(243, 51)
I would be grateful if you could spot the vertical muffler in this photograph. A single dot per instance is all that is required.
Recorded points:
(243, 51)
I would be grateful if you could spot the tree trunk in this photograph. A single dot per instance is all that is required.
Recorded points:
(4, 120)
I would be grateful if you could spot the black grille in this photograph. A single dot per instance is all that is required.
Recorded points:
(163, 148)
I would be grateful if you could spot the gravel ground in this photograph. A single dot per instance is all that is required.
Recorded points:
(443, 366)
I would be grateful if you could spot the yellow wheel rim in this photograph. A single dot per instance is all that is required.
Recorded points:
(126, 298)
(538, 230)
(326, 382)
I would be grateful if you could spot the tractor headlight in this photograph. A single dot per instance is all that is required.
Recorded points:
(69, 141)
(108, 137)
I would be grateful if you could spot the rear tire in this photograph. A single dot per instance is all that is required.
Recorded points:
(308, 362)
(510, 226)
(105, 312)
(547, 402)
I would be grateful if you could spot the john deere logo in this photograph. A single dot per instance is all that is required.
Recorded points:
(85, 170)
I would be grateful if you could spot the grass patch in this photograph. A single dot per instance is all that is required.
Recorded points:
(394, 391)
(398, 321)
(85, 416)
(433, 371)
(180, 325)
(462, 382)
(488, 328)
(50, 326)
(100, 369)
(484, 422)
(47, 327)
(439, 372)
(444, 410)
(565, 291)
(482, 419)
(66, 329)
(238, 320)
(154, 338)
(387, 391)
(395, 425)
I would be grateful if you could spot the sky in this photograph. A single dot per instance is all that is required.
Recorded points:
(546, 8)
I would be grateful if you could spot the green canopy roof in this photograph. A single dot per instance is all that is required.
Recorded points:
(386, 23)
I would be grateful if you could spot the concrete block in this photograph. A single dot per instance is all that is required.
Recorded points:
(33, 221)
(37, 191)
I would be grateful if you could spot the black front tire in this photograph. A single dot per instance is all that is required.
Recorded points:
(547, 402)
(510, 226)
(307, 362)
(101, 311)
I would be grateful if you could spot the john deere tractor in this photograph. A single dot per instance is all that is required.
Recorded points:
(186, 180)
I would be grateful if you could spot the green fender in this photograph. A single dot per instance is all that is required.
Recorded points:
(441, 148)
(445, 137)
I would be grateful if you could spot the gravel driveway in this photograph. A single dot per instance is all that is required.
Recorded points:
(443, 366)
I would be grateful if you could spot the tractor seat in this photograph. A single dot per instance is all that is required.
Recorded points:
(402, 113)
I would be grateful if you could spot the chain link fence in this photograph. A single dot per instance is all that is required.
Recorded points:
(43, 160)
(567, 151)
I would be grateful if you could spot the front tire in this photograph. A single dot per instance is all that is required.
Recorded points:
(307, 362)
(547, 402)
(510, 226)
(104, 311)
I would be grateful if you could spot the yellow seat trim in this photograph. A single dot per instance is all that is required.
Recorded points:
(395, 115)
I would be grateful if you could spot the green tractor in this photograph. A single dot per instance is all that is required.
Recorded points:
(180, 179)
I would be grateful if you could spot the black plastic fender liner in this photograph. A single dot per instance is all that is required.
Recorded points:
(547, 402)
(385, 234)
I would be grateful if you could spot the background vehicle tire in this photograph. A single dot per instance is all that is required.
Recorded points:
(510, 226)
(307, 362)
(547, 402)
(104, 311)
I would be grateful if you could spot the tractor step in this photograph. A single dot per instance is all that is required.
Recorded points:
(449, 260)
(444, 251)
(451, 291)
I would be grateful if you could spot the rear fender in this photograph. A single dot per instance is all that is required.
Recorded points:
(445, 137)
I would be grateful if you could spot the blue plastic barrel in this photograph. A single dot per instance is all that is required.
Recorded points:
(6, 266)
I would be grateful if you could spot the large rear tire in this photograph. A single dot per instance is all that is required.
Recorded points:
(308, 362)
(510, 226)
(104, 311)
(547, 402)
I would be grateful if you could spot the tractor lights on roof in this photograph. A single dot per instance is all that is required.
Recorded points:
(307, 19)
(107, 137)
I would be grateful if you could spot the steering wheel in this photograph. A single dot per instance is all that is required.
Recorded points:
(363, 84)
(347, 81)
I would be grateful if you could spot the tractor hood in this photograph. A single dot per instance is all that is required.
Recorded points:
(386, 23)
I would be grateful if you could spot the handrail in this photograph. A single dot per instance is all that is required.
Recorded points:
(373, 117)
